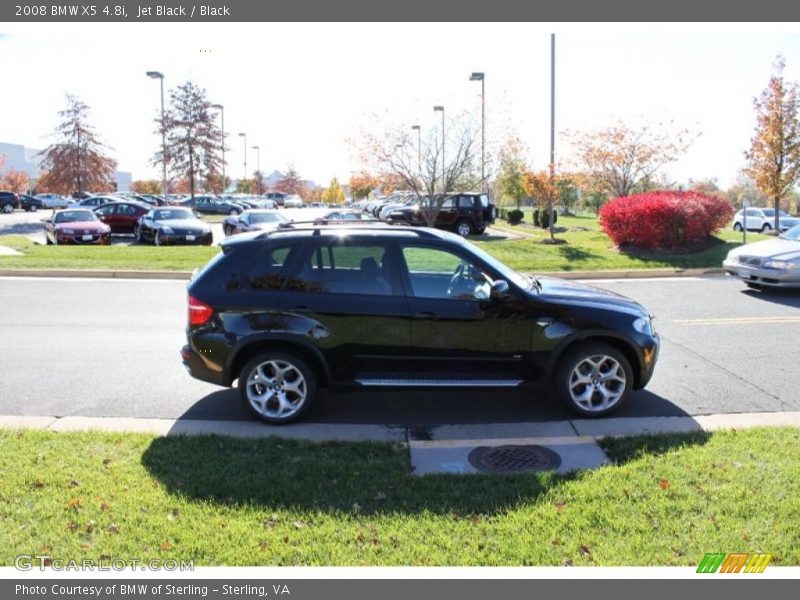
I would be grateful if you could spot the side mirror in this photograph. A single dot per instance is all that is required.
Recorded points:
(499, 290)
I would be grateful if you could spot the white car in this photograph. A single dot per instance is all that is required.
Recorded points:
(53, 200)
(293, 201)
(769, 263)
(762, 219)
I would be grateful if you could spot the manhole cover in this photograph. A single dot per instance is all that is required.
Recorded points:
(512, 459)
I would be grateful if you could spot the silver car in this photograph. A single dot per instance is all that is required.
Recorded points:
(771, 263)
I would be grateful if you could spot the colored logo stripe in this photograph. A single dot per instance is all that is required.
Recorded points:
(734, 562)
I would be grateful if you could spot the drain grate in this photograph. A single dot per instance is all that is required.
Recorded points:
(513, 459)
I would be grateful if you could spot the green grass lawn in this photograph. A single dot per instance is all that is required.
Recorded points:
(170, 258)
(588, 249)
(667, 500)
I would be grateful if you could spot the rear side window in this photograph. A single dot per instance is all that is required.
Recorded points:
(346, 269)
(269, 271)
(465, 202)
(484, 201)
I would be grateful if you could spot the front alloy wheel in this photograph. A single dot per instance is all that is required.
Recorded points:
(594, 380)
(276, 387)
(8, 208)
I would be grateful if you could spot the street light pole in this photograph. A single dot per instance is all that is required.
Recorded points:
(221, 110)
(482, 78)
(552, 125)
(160, 76)
(244, 135)
(419, 148)
(258, 168)
(444, 178)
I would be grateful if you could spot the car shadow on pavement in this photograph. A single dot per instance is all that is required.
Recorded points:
(432, 407)
(786, 297)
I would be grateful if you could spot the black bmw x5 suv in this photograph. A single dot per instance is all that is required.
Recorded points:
(287, 311)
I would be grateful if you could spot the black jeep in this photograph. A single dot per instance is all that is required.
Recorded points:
(466, 214)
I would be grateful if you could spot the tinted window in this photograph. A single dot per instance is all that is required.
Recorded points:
(269, 272)
(484, 200)
(351, 268)
(74, 216)
(126, 210)
(104, 211)
(172, 214)
(440, 274)
(465, 202)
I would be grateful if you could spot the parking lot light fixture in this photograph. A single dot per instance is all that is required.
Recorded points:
(444, 178)
(221, 110)
(482, 78)
(419, 147)
(244, 136)
(160, 76)
(258, 168)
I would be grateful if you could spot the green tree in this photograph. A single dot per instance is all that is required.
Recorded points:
(511, 175)
(333, 194)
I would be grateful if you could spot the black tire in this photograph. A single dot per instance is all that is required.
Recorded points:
(137, 233)
(754, 286)
(157, 238)
(227, 230)
(464, 227)
(568, 363)
(737, 226)
(281, 357)
(766, 227)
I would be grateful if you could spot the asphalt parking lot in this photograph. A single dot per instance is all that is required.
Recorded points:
(110, 348)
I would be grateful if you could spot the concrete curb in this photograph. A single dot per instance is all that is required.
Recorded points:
(186, 275)
(444, 435)
(96, 273)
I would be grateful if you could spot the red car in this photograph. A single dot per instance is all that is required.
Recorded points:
(76, 226)
(122, 217)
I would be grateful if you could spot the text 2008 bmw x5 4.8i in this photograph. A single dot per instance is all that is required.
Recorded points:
(288, 311)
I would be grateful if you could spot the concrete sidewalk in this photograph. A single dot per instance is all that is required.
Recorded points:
(430, 436)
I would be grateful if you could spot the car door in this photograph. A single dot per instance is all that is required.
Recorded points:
(127, 215)
(448, 213)
(457, 331)
(107, 215)
(351, 292)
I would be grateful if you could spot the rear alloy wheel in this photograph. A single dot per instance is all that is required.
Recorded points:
(464, 228)
(594, 379)
(737, 226)
(277, 387)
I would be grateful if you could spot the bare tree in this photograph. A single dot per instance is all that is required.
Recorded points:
(417, 162)
(77, 161)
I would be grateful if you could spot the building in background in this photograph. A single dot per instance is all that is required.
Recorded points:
(20, 158)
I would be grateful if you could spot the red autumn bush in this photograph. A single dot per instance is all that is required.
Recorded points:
(668, 220)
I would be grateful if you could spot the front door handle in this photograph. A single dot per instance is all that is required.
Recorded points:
(426, 314)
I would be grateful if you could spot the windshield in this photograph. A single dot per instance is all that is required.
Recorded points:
(173, 215)
(267, 218)
(75, 216)
(508, 273)
(791, 234)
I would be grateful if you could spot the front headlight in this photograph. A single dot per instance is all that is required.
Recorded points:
(645, 325)
(781, 265)
(166, 229)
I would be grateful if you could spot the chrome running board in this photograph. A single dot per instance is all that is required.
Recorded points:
(439, 382)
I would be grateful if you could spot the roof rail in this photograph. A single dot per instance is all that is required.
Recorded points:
(380, 225)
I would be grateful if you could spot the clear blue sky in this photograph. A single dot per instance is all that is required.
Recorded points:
(301, 90)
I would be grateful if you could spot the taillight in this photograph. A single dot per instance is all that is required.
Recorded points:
(199, 312)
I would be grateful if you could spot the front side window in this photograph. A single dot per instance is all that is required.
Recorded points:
(441, 274)
(347, 268)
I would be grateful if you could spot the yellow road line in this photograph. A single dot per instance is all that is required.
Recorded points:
(738, 321)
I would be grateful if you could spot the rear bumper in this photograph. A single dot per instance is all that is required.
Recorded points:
(761, 276)
(199, 369)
